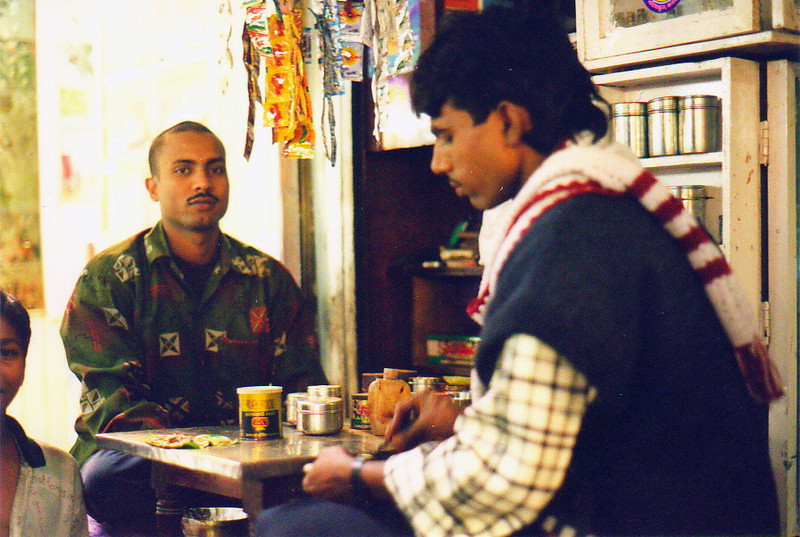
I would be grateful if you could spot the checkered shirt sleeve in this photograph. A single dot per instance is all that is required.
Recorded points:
(509, 453)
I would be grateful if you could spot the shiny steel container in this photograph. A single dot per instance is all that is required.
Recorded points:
(291, 406)
(693, 198)
(629, 126)
(662, 126)
(320, 416)
(214, 522)
(419, 384)
(698, 123)
(324, 390)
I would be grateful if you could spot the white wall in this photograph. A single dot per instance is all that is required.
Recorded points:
(112, 75)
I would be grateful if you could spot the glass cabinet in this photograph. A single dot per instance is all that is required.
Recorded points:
(752, 185)
(608, 28)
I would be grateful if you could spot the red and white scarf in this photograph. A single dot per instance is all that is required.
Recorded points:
(611, 169)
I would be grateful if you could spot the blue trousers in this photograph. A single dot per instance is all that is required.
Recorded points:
(118, 494)
(321, 518)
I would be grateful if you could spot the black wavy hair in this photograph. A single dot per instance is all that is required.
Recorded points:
(14, 313)
(518, 53)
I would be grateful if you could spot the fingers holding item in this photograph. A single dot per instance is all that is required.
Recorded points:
(403, 415)
(328, 476)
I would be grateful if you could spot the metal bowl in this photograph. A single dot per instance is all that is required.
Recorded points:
(214, 522)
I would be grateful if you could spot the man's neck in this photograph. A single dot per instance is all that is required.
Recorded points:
(198, 248)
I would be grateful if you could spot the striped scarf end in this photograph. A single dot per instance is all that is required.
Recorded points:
(759, 372)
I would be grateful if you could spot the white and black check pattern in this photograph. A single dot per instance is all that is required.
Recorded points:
(509, 454)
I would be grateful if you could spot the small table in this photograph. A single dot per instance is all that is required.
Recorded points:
(259, 473)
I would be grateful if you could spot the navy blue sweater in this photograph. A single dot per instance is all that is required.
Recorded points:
(673, 444)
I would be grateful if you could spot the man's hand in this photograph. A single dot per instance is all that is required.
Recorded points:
(328, 477)
(425, 416)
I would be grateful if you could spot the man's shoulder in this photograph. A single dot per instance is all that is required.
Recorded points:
(130, 247)
(250, 260)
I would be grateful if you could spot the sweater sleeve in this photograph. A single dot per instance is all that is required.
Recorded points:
(509, 453)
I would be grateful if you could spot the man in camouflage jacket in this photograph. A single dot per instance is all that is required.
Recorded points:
(163, 327)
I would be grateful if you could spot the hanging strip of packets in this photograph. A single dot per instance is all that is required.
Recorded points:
(272, 34)
(272, 37)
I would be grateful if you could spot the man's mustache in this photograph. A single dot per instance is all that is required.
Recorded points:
(202, 196)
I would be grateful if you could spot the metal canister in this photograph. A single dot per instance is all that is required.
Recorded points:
(419, 384)
(698, 123)
(324, 390)
(291, 406)
(693, 198)
(359, 417)
(629, 126)
(260, 412)
(320, 416)
(662, 126)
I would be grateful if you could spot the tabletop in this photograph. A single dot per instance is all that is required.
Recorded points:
(260, 473)
(253, 458)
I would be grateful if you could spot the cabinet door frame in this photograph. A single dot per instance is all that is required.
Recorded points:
(598, 41)
(785, 15)
(783, 88)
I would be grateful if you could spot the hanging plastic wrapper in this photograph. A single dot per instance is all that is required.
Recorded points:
(326, 13)
(252, 64)
(287, 104)
(255, 43)
(350, 13)
(392, 39)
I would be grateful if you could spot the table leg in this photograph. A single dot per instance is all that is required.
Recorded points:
(169, 507)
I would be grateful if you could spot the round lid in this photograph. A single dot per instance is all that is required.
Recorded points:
(663, 104)
(628, 109)
(699, 101)
(325, 390)
(320, 406)
(259, 389)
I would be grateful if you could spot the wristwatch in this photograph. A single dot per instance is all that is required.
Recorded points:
(360, 489)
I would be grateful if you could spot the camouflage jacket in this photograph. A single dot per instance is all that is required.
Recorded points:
(151, 354)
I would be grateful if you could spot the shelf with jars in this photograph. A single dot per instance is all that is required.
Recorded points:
(729, 174)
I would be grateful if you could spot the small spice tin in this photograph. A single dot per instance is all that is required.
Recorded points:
(629, 126)
(320, 416)
(324, 390)
(693, 198)
(462, 398)
(359, 417)
(260, 412)
(662, 126)
(419, 384)
(291, 406)
(698, 123)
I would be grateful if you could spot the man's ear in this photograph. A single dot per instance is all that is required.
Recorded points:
(151, 183)
(516, 122)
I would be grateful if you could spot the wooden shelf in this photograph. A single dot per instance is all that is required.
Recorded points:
(767, 44)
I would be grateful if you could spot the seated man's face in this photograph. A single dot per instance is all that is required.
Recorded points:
(12, 364)
(476, 159)
(191, 181)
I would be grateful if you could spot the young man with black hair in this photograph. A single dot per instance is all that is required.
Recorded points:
(619, 388)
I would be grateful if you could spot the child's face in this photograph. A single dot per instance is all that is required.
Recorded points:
(12, 364)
